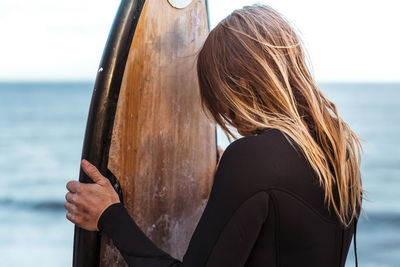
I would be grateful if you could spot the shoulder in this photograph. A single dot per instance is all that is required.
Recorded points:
(272, 142)
(267, 159)
(257, 155)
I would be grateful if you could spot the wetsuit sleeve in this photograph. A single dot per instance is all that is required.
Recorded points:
(225, 234)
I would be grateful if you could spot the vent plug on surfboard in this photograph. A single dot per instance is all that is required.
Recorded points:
(180, 3)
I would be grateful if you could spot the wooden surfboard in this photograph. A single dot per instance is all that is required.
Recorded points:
(146, 131)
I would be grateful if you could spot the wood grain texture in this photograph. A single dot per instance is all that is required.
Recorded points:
(163, 148)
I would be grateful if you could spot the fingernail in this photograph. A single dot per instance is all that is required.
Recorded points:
(85, 162)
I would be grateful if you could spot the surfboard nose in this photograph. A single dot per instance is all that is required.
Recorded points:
(180, 3)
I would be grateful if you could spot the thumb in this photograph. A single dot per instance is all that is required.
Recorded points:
(91, 171)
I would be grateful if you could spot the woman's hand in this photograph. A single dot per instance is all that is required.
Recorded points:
(86, 202)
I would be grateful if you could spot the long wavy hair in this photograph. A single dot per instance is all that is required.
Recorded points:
(253, 75)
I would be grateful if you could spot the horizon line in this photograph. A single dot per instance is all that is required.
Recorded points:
(20, 81)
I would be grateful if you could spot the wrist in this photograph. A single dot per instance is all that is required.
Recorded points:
(107, 214)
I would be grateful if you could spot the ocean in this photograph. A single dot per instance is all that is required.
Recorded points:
(41, 138)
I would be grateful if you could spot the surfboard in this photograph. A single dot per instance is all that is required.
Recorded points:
(146, 131)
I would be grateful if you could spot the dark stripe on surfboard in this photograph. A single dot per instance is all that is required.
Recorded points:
(101, 116)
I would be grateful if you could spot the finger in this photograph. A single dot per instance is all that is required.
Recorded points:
(73, 186)
(69, 207)
(75, 216)
(91, 171)
(70, 197)
(70, 216)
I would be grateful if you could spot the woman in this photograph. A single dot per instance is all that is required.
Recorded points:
(288, 193)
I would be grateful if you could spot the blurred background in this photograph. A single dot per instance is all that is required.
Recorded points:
(49, 54)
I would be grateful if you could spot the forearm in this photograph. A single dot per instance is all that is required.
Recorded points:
(136, 248)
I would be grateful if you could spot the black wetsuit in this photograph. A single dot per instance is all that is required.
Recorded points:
(265, 208)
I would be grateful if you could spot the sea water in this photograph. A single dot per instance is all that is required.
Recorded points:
(41, 138)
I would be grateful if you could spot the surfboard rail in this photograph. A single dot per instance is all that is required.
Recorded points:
(101, 116)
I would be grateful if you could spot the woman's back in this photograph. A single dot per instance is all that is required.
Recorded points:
(266, 189)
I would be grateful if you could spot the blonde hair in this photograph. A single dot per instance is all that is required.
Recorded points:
(253, 63)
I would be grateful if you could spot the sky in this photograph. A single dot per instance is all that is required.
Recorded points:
(347, 40)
